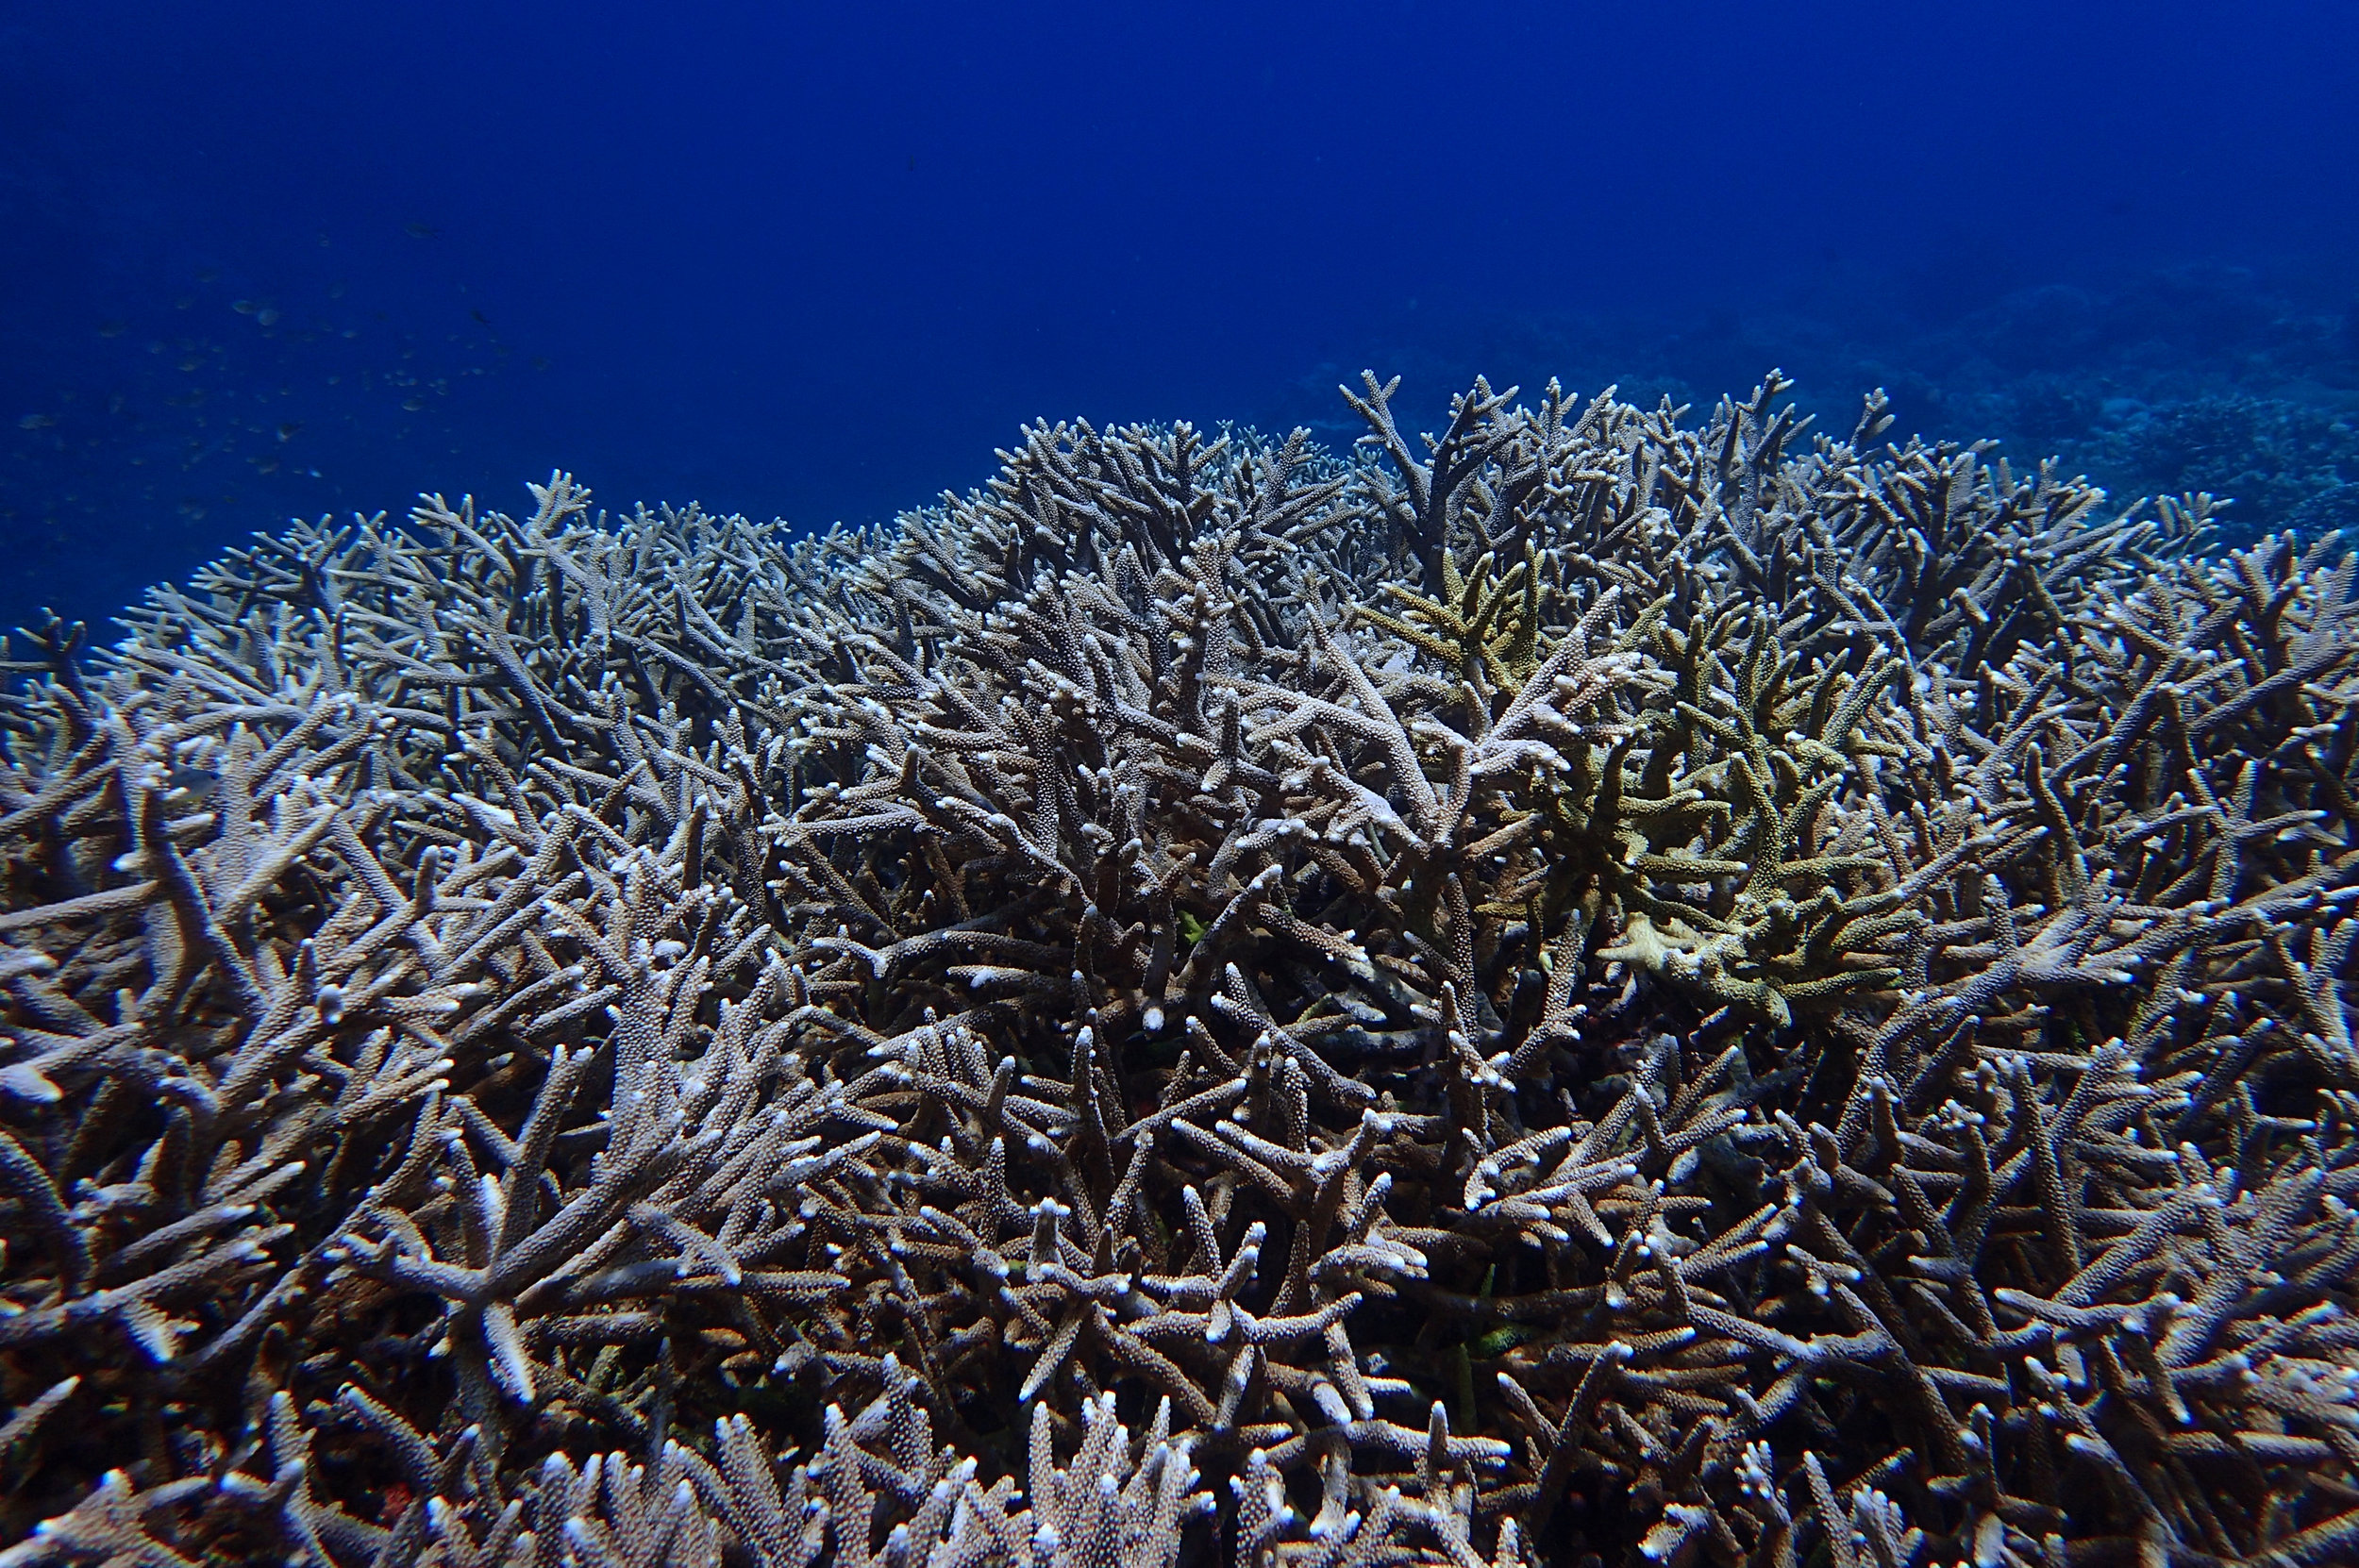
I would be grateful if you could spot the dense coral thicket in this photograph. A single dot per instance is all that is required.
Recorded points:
(1583, 988)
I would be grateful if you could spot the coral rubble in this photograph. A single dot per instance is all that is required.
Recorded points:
(1585, 988)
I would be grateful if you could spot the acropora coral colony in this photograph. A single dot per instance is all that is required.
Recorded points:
(1583, 989)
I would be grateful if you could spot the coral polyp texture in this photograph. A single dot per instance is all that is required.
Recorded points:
(1584, 988)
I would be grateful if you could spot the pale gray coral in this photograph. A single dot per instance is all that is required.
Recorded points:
(1590, 984)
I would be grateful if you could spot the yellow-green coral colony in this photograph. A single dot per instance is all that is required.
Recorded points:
(1583, 984)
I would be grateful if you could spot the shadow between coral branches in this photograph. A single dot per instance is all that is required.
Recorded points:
(1586, 988)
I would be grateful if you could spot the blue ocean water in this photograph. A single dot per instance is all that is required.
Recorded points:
(261, 260)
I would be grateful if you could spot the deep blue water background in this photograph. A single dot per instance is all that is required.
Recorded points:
(259, 261)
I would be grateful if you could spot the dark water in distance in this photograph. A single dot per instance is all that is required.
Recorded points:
(816, 262)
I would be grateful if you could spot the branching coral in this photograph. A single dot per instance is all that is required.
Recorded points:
(1588, 985)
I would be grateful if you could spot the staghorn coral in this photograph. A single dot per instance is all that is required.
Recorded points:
(1586, 987)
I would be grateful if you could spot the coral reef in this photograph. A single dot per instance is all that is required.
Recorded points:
(1584, 988)
(2283, 460)
(2196, 375)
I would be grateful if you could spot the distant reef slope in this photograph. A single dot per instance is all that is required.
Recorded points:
(1586, 988)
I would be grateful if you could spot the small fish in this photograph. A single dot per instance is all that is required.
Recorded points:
(113, 328)
(36, 421)
(420, 231)
(267, 315)
(189, 781)
(412, 405)
(286, 431)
